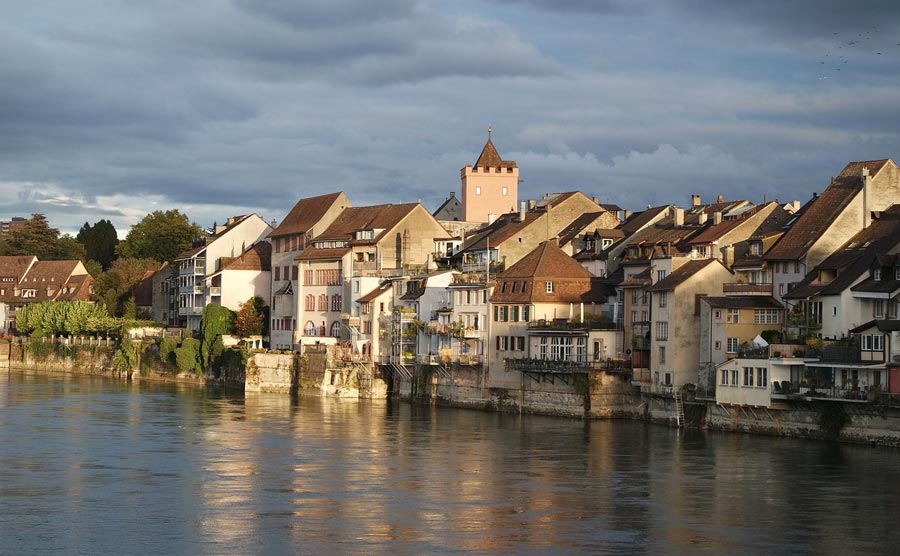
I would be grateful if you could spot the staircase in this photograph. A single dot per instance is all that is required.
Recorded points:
(679, 408)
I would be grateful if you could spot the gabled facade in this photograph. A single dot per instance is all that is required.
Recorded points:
(540, 308)
(309, 216)
(828, 221)
(197, 266)
(25, 280)
(675, 319)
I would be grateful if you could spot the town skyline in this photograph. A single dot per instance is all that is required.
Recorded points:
(217, 109)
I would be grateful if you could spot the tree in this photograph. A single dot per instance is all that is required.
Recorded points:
(36, 237)
(217, 320)
(160, 236)
(250, 320)
(115, 286)
(99, 242)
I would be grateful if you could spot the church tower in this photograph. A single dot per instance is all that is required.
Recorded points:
(490, 187)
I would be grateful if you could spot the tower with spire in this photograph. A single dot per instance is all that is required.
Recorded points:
(490, 187)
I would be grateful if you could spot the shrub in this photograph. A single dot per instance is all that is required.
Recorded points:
(167, 347)
(187, 357)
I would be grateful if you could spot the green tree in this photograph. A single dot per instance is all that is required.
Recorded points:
(217, 320)
(125, 357)
(160, 236)
(99, 242)
(186, 356)
(249, 320)
(114, 287)
(36, 237)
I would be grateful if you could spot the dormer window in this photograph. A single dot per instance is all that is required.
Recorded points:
(876, 274)
(756, 248)
(549, 286)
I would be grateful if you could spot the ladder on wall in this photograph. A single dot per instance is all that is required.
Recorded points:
(679, 408)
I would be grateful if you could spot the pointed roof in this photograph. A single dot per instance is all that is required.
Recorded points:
(490, 158)
(15, 266)
(547, 262)
(683, 274)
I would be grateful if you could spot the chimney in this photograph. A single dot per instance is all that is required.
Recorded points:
(701, 218)
(627, 214)
(522, 211)
(867, 209)
(679, 216)
(728, 256)
(695, 200)
(596, 200)
(720, 199)
(531, 204)
(717, 217)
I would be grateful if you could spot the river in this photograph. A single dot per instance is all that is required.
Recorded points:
(90, 465)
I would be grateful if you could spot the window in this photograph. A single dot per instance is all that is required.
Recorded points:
(748, 376)
(724, 378)
(310, 329)
(762, 377)
(277, 273)
(717, 314)
(365, 308)
(336, 303)
(872, 342)
(734, 316)
(524, 284)
(734, 377)
(765, 316)
(503, 287)
(662, 299)
(549, 286)
(662, 330)
(505, 191)
(294, 271)
(796, 267)
(336, 329)
(634, 316)
(635, 296)
(878, 308)
(876, 274)
(718, 345)
(520, 343)
(662, 355)
(660, 274)
(732, 345)
(323, 303)
(525, 313)
(780, 289)
(308, 277)
(478, 190)
(897, 273)
(310, 302)
(367, 327)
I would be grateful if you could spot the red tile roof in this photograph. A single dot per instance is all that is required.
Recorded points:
(572, 282)
(682, 274)
(815, 219)
(362, 218)
(490, 158)
(258, 257)
(305, 214)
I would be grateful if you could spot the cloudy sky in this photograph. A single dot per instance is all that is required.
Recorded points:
(111, 109)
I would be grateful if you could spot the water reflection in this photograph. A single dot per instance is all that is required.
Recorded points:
(95, 466)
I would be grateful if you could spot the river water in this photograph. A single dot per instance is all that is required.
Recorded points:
(94, 466)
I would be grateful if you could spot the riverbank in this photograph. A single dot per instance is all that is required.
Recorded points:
(604, 396)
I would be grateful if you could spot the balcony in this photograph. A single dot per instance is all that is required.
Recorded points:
(573, 364)
(470, 278)
(563, 325)
(743, 288)
(215, 291)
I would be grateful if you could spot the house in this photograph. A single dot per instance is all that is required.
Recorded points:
(363, 243)
(675, 296)
(829, 220)
(450, 210)
(164, 299)
(738, 226)
(514, 235)
(243, 277)
(544, 308)
(308, 217)
(490, 187)
(25, 280)
(730, 325)
(197, 266)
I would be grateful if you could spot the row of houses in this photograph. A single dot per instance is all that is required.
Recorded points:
(755, 303)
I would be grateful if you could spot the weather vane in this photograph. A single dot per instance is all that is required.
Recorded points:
(490, 129)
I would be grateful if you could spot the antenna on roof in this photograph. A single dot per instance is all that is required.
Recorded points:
(490, 129)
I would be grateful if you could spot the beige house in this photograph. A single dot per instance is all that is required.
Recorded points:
(542, 309)
(847, 205)
(25, 280)
(310, 216)
(675, 320)
(363, 242)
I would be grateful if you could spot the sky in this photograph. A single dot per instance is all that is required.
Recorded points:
(113, 109)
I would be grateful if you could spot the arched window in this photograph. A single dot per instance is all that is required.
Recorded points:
(310, 328)
(336, 329)
(336, 303)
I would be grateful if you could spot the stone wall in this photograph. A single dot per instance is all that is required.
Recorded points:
(269, 372)
(81, 359)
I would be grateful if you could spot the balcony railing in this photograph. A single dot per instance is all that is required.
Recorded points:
(215, 290)
(747, 289)
(781, 351)
(572, 364)
(571, 325)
